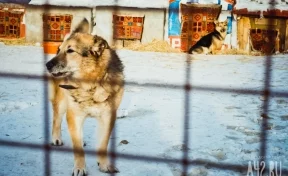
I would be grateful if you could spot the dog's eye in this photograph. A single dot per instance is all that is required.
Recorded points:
(70, 51)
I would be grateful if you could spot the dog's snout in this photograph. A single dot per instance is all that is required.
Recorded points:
(51, 64)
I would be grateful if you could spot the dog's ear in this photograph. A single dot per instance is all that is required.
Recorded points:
(216, 22)
(99, 46)
(82, 27)
(226, 21)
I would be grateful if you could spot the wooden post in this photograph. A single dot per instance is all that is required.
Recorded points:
(240, 34)
(246, 30)
(286, 37)
(243, 28)
(277, 42)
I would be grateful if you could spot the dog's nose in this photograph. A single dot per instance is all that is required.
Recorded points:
(50, 64)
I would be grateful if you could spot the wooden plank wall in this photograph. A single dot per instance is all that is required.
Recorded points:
(286, 36)
(243, 33)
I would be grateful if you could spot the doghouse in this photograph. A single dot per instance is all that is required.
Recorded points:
(197, 21)
(190, 20)
(262, 27)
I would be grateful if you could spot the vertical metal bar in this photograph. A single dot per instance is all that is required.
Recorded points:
(46, 127)
(186, 121)
(46, 131)
(113, 136)
(266, 96)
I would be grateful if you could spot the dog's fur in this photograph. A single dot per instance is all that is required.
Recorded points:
(87, 81)
(212, 41)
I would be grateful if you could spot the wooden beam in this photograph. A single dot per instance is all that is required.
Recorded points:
(267, 13)
(286, 36)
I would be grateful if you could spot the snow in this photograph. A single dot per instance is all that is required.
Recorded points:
(261, 5)
(94, 3)
(224, 126)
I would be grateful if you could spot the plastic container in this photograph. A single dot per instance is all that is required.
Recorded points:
(51, 47)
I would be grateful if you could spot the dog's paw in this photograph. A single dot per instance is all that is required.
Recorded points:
(79, 171)
(107, 168)
(57, 142)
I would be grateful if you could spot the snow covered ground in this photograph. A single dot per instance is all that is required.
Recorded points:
(224, 126)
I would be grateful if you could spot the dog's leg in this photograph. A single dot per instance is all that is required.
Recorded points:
(106, 124)
(213, 49)
(57, 98)
(75, 125)
(59, 109)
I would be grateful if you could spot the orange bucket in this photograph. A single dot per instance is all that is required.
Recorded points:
(51, 47)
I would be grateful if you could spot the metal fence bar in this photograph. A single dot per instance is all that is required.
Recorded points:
(266, 91)
(114, 134)
(170, 86)
(187, 118)
(125, 156)
(226, 166)
(46, 129)
(46, 116)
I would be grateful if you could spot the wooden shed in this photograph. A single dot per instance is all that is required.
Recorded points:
(189, 20)
(197, 21)
(263, 29)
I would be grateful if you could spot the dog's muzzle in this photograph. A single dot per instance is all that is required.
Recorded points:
(51, 64)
